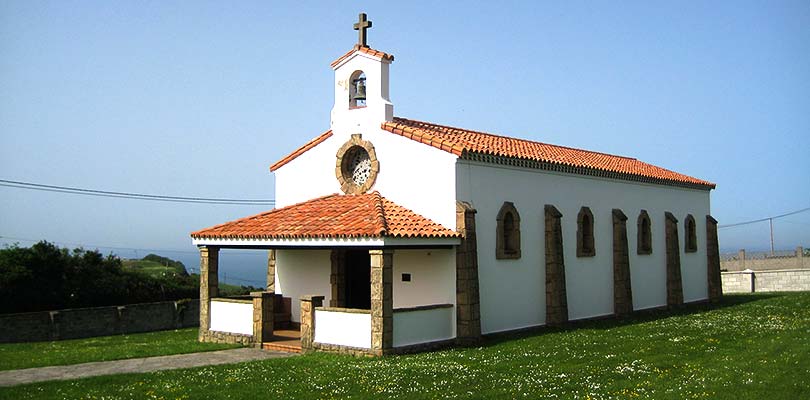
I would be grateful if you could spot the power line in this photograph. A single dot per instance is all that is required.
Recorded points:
(764, 219)
(135, 196)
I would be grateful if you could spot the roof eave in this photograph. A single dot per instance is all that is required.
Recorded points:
(364, 241)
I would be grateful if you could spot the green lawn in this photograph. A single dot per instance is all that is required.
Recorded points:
(106, 348)
(748, 347)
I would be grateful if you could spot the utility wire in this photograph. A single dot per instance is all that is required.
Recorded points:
(764, 219)
(135, 196)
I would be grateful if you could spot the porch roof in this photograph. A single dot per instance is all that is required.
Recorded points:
(364, 219)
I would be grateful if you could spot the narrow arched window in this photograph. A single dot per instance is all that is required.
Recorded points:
(691, 236)
(507, 243)
(585, 238)
(644, 243)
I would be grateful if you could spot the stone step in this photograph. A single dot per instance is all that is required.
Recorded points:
(287, 348)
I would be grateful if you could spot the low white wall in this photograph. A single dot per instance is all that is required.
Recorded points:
(231, 317)
(424, 326)
(343, 328)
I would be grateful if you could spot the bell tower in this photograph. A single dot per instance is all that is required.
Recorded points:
(361, 86)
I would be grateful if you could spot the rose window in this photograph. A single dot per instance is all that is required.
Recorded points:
(359, 165)
(356, 166)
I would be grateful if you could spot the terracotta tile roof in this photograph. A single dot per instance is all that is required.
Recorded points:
(301, 150)
(366, 50)
(460, 141)
(334, 216)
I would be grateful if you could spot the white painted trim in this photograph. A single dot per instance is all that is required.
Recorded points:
(328, 242)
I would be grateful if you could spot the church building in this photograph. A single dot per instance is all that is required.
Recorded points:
(397, 235)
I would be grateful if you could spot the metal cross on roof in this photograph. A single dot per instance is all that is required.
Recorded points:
(361, 26)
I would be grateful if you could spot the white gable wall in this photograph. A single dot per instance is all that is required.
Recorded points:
(513, 291)
(310, 175)
(413, 175)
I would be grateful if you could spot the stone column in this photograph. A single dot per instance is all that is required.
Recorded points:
(622, 289)
(674, 283)
(741, 259)
(799, 257)
(209, 284)
(468, 308)
(713, 260)
(382, 301)
(271, 270)
(556, 298)
(308, 305)
(262, 316)
(338, 278)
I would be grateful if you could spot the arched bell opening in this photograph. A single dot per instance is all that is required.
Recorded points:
(357, 90)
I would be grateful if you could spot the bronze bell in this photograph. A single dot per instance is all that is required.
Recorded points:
(359, 89)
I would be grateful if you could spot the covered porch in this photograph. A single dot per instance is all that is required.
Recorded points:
(368, 277)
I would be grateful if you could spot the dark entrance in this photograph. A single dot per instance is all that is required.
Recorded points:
(358, 279)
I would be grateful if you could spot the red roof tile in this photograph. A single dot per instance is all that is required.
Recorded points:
(334, 216)
(301, 150)
(459, 141)
(366, 50)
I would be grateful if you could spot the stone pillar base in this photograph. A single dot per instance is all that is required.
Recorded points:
(308, 305)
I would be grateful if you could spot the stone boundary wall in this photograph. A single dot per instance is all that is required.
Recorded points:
(79, 323)
(760, 261)
(787, 280)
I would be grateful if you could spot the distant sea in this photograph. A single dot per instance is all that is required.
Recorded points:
(237, 267)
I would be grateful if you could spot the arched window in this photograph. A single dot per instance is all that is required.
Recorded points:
(585, 238)
(507, 243)
(644, 244)
(690, 240)
(357, 90)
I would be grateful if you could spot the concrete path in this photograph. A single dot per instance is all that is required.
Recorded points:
(135, 365)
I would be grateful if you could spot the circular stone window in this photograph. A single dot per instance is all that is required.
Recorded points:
(357, 166)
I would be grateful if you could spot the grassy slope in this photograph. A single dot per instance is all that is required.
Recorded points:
(40, 354)
(158, 270)
(151, 268)
(751, 347)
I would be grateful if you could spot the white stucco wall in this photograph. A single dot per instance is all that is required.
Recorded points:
(513, 291)
(231, 317)
(303, 272)
(343, 328)
(408, 170)
(310, 175)
(433, 277)
(424, 326)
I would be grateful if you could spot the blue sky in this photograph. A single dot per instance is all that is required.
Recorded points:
(198, 99)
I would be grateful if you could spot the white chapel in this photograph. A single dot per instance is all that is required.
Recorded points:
(370, 252)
